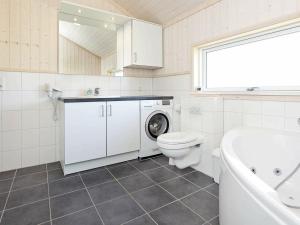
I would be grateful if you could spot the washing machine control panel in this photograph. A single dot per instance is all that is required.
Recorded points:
(163, 102)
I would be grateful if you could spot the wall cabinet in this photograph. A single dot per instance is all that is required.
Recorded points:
(85, 131)
(143, 45)
(94, 130)
(123, 127)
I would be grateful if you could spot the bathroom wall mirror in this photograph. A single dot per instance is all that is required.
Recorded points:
(88, 42)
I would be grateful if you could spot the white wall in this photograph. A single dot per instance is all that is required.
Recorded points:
(29, 136)
(281, 115)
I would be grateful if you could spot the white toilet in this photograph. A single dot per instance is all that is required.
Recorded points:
(183, 148)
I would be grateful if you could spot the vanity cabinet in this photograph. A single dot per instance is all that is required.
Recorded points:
(85, 131)
(123, 127)
(94, 130)
(143, 43)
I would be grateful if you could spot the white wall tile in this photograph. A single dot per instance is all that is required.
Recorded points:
(11, 120)
(11, 140)
(11, 100)
(233, 106)
(46, 118)
(30, 100)
(30, 81)
(252, 120)
(272, 108)
(11, 160)
(291, 124)
(12, 81)
(253, 107)
(114, 83)
(232, 120)
(30, 119)
(130, 84)
(47, 79)
(30, 138)
(145, 84)
(44, 101)
(47, 136)
(292, 109)
(273, 122)
(30, 157)
(47, 154)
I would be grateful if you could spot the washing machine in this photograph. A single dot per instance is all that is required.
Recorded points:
(156, 119)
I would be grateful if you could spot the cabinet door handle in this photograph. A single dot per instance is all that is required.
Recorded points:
(135, 57)
(102, 108)
(110, 110)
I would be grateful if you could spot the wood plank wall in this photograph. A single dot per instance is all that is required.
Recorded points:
(225, 18)
(73, 59)
(28, 35)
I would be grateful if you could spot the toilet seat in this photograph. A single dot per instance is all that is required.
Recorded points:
(179, 140)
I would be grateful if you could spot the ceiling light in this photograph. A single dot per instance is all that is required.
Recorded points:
(79, 10)
(75, 19)
(105, 25)
(113, 18)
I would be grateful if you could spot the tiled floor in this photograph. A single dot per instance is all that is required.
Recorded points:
(132, 193)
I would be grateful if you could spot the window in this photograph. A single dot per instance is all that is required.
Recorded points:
(268, 60)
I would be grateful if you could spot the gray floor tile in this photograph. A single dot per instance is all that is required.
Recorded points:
(106, 191)
(143, 220)
(123, 171)
(161, 174)
(27, 195)
(27, 215)
(180, 171)
(58, 174)
(68, 203)
(85, 217)
(97, 177)
(5, 185)
(152, 197)
(29, 180)
(31, 169)
(3, 198)
(176, 214)
(65, 185)
(214, 189)
(144, 165)
(119, 211)
(136, 182)
(215, 221)
(53, 166)
(162, 160)
(7, 174)
(204, 204)
(179, 187)
(199, 178)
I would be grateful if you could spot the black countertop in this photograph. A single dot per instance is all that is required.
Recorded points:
(112, 98)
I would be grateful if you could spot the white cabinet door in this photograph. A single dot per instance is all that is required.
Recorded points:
(146, 44)
(123, 127)
(85, 131)
(143, 43)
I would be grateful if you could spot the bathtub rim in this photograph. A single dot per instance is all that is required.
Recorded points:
(260, 191)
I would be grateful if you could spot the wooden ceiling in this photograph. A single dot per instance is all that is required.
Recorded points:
(164, 12)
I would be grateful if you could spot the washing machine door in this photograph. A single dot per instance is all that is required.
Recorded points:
(157, 123)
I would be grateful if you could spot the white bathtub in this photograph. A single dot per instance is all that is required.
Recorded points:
(251, 199)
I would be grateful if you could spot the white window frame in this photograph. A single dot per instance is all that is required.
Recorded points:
(200, 52)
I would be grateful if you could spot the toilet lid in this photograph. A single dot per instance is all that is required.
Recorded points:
(177, 137)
